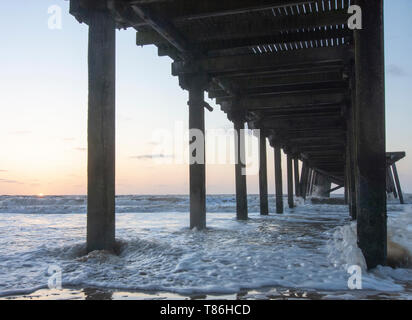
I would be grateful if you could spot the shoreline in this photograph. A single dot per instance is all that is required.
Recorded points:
(94, 293)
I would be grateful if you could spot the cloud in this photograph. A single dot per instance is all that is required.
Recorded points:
(21, 132)
(396, 70)
(3, 170)
(72, 175)
(151, 156)
(10, 181)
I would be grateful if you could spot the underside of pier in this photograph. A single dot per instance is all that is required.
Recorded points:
(292, 69)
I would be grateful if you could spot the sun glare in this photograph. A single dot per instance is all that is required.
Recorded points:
(40, 195)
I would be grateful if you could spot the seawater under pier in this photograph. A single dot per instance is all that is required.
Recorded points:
(314, 88)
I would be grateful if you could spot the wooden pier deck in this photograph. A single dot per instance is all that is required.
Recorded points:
(292, 69)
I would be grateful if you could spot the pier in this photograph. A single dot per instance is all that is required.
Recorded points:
(294, 70)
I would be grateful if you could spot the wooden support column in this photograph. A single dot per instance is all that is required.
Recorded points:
(290, 181)
(321, 186)
(240, 170)
(101, 132)
(398, 184)
(296, 174)
(351, 148)
(370, 143)
(347, 177)
(196, 84)
(313, 181)
(309, 181)
(278, 180)
(390, 183)
(346, 182)
(304, 179)
(263, 177)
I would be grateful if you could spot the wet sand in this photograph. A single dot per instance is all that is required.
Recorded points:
(262, 294)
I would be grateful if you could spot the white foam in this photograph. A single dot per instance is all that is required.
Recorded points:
(310, 246)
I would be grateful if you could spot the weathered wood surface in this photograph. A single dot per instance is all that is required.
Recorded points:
(278, 180)
(240, 173)
(370, 139)
(263, 180)
(290, 181)
(197, 161)
(398, 184)
(101, 133)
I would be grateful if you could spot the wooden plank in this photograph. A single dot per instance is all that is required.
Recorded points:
(217, 65)
(181, 10)
(285, 79)
(289, 100)
(187, 10)
(290, 70)
(303, 123)
(215, 42)
(251, 25)
(285, 89)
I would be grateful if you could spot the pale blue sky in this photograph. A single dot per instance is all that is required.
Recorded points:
(43, 87)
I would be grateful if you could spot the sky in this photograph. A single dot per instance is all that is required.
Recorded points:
(43, 103)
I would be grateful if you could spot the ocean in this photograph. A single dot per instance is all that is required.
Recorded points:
(304, 253)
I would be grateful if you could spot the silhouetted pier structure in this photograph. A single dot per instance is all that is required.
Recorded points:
(292, 69)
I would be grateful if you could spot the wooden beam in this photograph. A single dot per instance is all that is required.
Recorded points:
(284, 79)
(398, 184)
(285, 89)
(301, 109)
(219, 65)
(249, 26)
(164, 28)
(289, 70)
(335, 189)
(390, 183)
(215, 43)
(186, 10)
(303, 123)
(289, 100)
